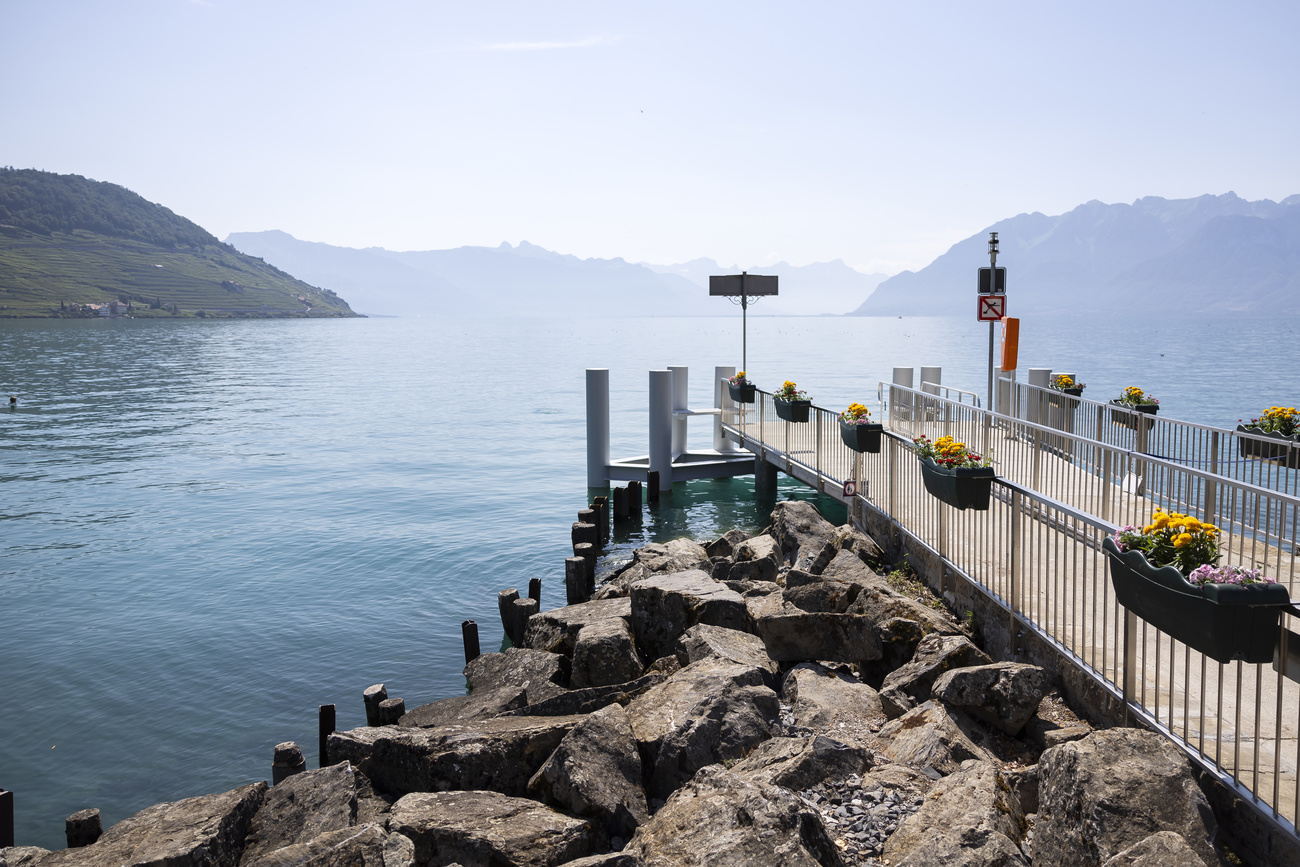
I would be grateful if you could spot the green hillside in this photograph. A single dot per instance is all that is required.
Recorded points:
(67, 243)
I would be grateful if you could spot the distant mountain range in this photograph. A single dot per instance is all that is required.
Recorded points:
(74, 247)
(1207, 254)
(530, 280)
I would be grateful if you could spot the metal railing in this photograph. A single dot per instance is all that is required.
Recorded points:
(1264, 461)
(1036, 553)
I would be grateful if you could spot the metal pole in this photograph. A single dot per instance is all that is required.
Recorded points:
(744, 324)
(993, 285)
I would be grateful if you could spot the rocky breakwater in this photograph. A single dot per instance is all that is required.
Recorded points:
(760, 701)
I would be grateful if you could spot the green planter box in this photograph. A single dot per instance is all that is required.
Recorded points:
(1124, 419)
(741, 393)
(1223, 621)
(861, 437)
(792, 410)
(965, 488)
(1267, 451)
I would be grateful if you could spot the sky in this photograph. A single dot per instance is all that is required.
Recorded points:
(747, 132)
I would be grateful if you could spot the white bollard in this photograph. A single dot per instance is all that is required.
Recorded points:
(681, 378)
(1039, 376)
(933, 375)
(901, 409)
(722, 400)
(597, 427)
(1005, 379)
(661, 427)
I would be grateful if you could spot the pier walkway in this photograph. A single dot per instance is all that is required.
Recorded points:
(1036, 553)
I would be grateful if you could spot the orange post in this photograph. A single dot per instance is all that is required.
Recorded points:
(1010, 342)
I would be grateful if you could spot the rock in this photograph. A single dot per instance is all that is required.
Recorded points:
(860, 545)
(814, 593)
(711, 711)
(1158, 850)
(556, 631)
(486, 829)
(726, 544)
(497, 754)
(301, 808)
(719, 819)
(1111, 790)
(821, 699)
(910, 685)
(83, 828)
(756, 559)
(792, 635)
(366, 845)
(720, 568)
(595, 773)
(880, 602)
(750, 589)
(21, 856)
(665, 665)
(899, 638)
(539, 673)
(609, 859)
(665, 606)
(801, 532)
(372, 806)
(460, 709)
(930, 738)
(969, 818)
(678, 555)
(202, 831)
(604, 654)
(1024, 784)
(591, 699)
(1003, 694)
(1057, 736)
(704, 641)
(798, 763)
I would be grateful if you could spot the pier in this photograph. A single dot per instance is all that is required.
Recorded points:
(1069, 473)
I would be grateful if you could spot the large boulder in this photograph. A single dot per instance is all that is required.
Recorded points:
(969, 819)
(910, 685)
(591, 699)
(1111, 790)
(665, 606)
(930, 738)
(1003, 694)
(1159, 850)
(657, 558)
(303, 807)
(791, 634)
(829, 701)
(487, 829)
(720, 819)
(605, 654)
(711, 711)
(756, 559)
(595, 773)
(557, 630)
(498, 754)
(207, 831)
(799, 763)
(725, 545)
(366, 845)
(21, 856)
(880, 602)
(459, 709)
(801, 532)
(539, 673)
(704, 641)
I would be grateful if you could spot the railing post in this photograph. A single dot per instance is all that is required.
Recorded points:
(817, 461)
(1211, 486)
(1107, 469)
(1130, 659)
(725, 406)
(1015, 577)
(1038, 457)
(893, 480)
(943, 537)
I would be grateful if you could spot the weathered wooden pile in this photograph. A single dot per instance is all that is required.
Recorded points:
(760, 701)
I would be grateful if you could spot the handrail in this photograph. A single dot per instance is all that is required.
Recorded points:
(1036, 555)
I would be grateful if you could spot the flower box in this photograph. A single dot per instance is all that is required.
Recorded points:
(1251, 448)
(961, 488)
(1223, 621)
(741, 393)
(792, 410)
(861, 437)
(1127, 419)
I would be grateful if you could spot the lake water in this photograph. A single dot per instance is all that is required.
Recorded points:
(209, 528)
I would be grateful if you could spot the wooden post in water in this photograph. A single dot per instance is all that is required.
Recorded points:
(83, 828)
(589, 515)
(288, 760)
(326, 727)
(584, 532)
(602, 513)
(469, 638)
(524, 609)
(575, 580)
(373, 696)
(391, 710)
(535, 590)
(652, 485)
(620, 504)
(634, 499)
(6, 819)
(506, 607)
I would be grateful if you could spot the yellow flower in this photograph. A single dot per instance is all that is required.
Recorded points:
(1182, 539)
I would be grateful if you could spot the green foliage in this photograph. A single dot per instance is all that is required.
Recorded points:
(67, 242)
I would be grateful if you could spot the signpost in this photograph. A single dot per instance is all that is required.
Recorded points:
(992, 289)
(743, 286)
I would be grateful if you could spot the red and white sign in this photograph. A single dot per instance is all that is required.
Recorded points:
(992, 308)
(850, 488)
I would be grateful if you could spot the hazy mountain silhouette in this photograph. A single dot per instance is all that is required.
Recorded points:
(1203, 254)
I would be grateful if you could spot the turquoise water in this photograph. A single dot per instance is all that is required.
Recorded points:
(209, 528)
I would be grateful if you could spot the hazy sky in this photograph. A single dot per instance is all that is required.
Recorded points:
(879, 133)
